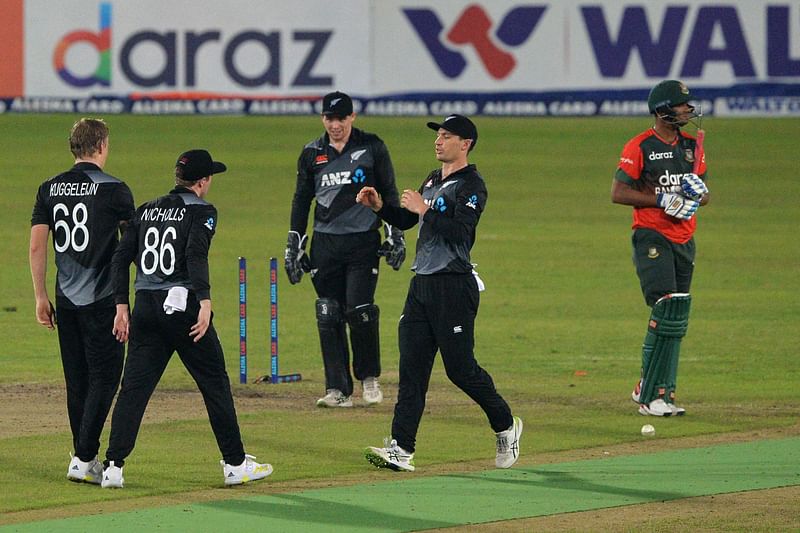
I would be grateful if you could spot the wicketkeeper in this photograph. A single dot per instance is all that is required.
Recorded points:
(346, 246)
(663, 176)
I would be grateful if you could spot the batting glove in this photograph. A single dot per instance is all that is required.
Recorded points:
(295, 260)
(693, 187)
(677, 206)
(394, 247)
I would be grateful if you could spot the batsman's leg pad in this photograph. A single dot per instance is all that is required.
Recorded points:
(365, 340)
(333, 343)
(668, 323)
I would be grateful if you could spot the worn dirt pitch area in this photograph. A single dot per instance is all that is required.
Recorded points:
(762, 510)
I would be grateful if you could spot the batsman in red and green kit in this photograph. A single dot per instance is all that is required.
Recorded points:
(662, 175)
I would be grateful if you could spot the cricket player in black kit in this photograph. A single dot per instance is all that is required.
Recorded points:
(85, 208)
(169, 239)
(346, 247)
(443, 297)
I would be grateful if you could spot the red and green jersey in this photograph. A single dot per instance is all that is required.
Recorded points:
(648, 163)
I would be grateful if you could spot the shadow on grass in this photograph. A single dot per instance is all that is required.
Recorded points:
(301, 509)
(559, 480)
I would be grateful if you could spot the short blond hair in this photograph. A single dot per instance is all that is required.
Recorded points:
(87, 136)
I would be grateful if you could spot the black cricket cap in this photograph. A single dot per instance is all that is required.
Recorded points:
(458, 124)
(337, 104)
(197, 164)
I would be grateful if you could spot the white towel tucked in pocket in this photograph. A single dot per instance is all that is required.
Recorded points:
(176, 300)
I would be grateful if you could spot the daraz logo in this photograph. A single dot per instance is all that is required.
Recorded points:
(100, 40)
(474, 27)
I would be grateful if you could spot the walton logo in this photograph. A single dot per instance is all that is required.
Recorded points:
(473, 28)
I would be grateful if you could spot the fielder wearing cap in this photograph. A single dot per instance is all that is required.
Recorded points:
(443, 297)
(663, 177)
(337, 104)
(196, 164)
(460, 125)
(169, 239)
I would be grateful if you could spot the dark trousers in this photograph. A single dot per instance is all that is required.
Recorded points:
(154, 336)
(439, 314)
(347, 271)
(663, 266)
(92, 360)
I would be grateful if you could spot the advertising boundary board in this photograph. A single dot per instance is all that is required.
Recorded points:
(500, 58)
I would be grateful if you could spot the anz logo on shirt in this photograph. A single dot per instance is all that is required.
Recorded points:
(473, 201)
(335, 178)
(440, 205)
(209, 223)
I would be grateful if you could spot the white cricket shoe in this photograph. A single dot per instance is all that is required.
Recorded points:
(372, 391)
(676, 411)
(89, 472)
(508, 445)
(657, 407)
(112, 477)
(637, 391)
(391, 456)
(248, 471)
(335, 398)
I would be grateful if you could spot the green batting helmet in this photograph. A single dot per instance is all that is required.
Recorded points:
(668, 93)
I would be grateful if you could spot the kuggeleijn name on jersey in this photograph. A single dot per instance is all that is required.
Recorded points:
(73, 189)
(160, 214)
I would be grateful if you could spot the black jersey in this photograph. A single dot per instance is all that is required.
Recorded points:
(335, 178)
(83, 208)
(169, 238)
(447, 230)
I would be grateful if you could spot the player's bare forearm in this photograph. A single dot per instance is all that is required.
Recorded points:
(622, 193)
(121, 323)
(198, 330)
(38, 263)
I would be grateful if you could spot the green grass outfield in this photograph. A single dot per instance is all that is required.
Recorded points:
(429, 502)
(562, 296)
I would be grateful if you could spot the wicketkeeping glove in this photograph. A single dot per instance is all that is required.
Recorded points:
(295, 260)
(677, 206)
(394, 247)
(693, 187)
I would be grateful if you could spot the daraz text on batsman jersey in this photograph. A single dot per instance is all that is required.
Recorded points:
(648, 163)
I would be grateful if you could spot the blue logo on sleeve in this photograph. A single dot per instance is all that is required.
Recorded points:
(210, 223)
(359, 176)
(439, 205)
(473, 201)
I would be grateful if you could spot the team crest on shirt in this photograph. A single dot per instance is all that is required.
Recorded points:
(209, 223)
(355, 155)
(652, 253)
(689, 155)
